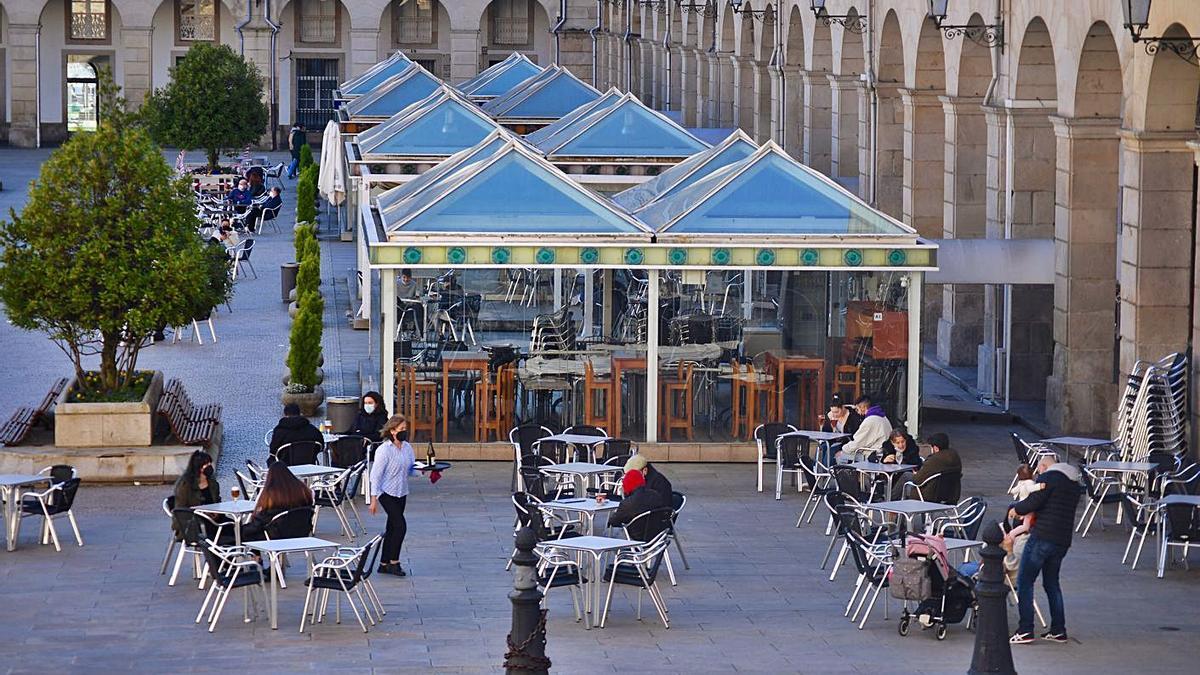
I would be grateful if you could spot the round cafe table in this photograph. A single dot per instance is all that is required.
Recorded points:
(437, 466)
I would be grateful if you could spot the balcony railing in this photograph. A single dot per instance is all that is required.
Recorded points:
(88, 26)
(510, 31)
(318, 29)
(197, 28)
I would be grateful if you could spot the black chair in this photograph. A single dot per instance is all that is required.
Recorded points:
(678, 501)
(193, 529)
(242, 256)
(873, 577)
(556, 451)
(639, 568)
(1182, 530)
(291, 524)
(348, 451)
(50, 503)
(533, 480)
(522, 438)
(614, 447)
(300, 452)
(765, 437)
(1100, 491)
(340, 574)
(230, 569)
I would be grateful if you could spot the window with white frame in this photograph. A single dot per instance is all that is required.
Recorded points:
(197, 20)
(318, 21)
(89, 20)
(510, 21)
(416, 22)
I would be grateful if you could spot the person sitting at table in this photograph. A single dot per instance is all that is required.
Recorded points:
(657, 482)
(271, 203)
(239, 196)
(257, 181)
(372, 415)
(842, 419)
(227, 237)
(293, 428)
(196, 486)
(281, 491)
(639, 498)
(899, 448)
(408, 288)
(944, 460)
(871, 432)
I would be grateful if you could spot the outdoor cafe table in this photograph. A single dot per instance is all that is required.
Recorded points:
(821, 437)
(1089, 445)
(581, 470)
(577, 440)
(274, 548)
(10, 491)
(1170, 500)
(909, 508)
(308, 471)
(236, 510)
(888, 470)
(596, 547)
(584, 506)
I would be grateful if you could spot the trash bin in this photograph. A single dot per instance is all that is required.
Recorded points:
(341, 411)
(287, 279)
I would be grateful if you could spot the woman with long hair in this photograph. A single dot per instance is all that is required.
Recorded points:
(372, 415)
(197, 485)
(281, 491)
(394, 462)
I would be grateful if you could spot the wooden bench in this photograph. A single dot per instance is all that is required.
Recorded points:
(17, 428)
(191, 424)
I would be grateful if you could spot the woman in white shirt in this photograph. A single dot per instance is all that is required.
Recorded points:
(394, 462)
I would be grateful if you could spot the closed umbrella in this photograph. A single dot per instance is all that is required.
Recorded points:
(330, 181)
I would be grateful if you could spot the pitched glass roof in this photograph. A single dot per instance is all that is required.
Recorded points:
(393, 65)
(500, 78)
(550, 94)
(621, 127)
(494, 141)
(439, 125)
(735, 147)
(543, 135)
(768, 193)
(508, 190)
(394, 94)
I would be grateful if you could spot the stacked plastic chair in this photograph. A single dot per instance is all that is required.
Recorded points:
(1153, 409)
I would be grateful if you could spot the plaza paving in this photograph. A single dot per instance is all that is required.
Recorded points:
(754, 599)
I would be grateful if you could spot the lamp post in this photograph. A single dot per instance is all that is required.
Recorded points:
(1137, 20)
(706, 9)
(855, 23)
(988, 35)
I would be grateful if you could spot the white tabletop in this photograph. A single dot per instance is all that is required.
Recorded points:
(592, 544)
(818, 435)
(953, 544)
(1078, 441)
(235, 507)
(910, 507)
(290, 545)
(880, 467)
(580, 468)
(1125, 467)
(1190, 500)
(580, 504)
(576, 439)
(14, 479)
(308, 470)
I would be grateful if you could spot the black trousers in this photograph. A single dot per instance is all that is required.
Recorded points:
(397, 526)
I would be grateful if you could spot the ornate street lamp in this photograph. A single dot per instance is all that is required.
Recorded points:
(854, 23)
(1137, 20)
(749, 12)
(991, 35)
(706, 9)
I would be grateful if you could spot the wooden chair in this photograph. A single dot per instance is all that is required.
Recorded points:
(847, 381)
(749, 386)
(598, 397)
(677, 402)
(495, 396)
(418, 398)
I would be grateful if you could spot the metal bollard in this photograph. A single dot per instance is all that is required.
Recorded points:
(993, 654)
(527, 638)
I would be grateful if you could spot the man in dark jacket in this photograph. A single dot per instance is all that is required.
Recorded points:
(297, 138)
(657, 482)
(293, 428)
(1053, 507)
(639, 498)
(944, 460)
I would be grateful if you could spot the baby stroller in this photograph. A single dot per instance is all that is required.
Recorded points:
(924, 576)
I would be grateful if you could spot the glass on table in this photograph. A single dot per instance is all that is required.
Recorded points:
(235, 492)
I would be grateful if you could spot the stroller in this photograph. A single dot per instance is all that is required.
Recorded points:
(924, 576)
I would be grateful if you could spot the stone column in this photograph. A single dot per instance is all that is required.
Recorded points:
(889, 151)
(23, 84)
(960, 329)
(866, 149)
(793, 124)
(464, 54)
(776, 116)
(725, 118)
(655, 74)
(689, 79)
(647, 72)
(762, 101)
(674, 87)
(817, 141)
(364, 51)
(743, 94)
(924, 153)
(1156, 217)
(843, 128)
(1080, 392)
(138, 57)
(994, 207)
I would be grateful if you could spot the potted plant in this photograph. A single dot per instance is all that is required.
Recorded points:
(104, 256)
(303, 356)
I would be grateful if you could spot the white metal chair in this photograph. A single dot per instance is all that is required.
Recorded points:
(639, 567)
(195, 326)
(564, 571)
(50, 503)
(230, 568)
(765, 436)
(240, 255)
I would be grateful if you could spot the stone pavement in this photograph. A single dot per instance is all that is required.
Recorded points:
(754, 599)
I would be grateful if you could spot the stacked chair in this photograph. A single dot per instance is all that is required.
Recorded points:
(1152, 411)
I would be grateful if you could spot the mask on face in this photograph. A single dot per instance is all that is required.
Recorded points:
(208, 471)
(369, 408)
(402, 436)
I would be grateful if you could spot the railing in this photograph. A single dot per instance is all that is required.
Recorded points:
(412, 30)
(318, 29)
(510, 31)
(197, 27)
(88, 26)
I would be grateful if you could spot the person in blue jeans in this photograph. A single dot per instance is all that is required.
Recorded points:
(297, 138)
(1054, 508)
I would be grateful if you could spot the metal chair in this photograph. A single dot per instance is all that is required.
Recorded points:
(241, 255)
(764, 437)
(341, 574)
(300, 452)
(50, 503)
(230, 568)
(639, 567)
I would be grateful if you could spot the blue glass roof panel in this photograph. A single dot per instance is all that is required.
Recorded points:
(503, 80)
(375, 75)
(629, 129)
(394, 95)
(434, 175)
(687, 172)
(557, 98)
(441, 129)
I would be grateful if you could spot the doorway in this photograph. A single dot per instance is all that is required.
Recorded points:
(83, 91)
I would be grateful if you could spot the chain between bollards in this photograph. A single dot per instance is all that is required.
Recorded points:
(993, 654)
(527, 638)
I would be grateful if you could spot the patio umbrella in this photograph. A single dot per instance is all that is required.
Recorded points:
(330, 180)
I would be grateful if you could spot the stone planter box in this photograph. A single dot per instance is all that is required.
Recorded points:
(107, 425)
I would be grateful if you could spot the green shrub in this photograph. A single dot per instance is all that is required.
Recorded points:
(306, 158)
(304, 235)
(308, 277)
(306, 196)
(305, 341)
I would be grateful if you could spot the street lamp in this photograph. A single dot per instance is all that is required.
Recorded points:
(706, 9)
(991, 35)
(854, 23)
(1137, 20)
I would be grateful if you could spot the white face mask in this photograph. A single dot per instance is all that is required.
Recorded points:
(369, 408)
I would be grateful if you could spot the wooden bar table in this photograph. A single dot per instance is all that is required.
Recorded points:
(810, 400)
(460, 362)
(620, 364)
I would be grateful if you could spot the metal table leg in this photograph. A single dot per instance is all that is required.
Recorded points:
(275, 578)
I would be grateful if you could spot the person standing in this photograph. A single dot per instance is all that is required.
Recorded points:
(394, 461)
(1054, 508)
(297, 138)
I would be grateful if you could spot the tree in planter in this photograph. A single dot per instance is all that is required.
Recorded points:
(304, 352)
(214, 101)
(308, 277)
(306, 157)
(305, 237)
(306, 196)
(104, 254)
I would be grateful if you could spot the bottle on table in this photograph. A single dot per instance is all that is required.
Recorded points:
(430, 456)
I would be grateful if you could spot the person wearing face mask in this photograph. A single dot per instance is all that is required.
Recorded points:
(371, 417)
(197, 485)
(394, 461)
